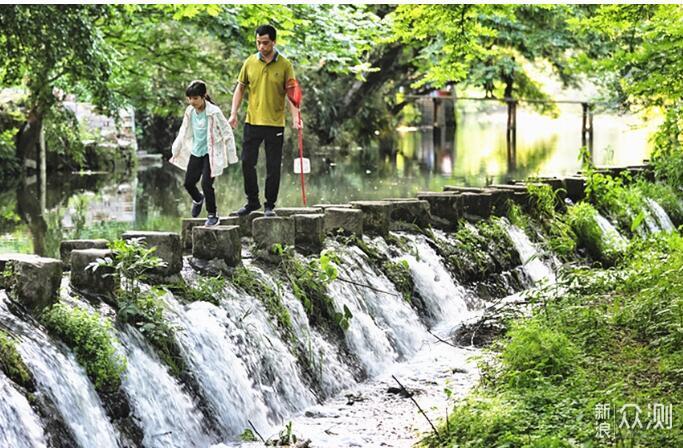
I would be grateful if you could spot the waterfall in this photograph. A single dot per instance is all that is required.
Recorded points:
(331, 373)
(610, 233)
(529, 255)
(662, 218)
(384, 327)
(59, 376)
(19, 426)
(445, 299)
(167, 415)
(211, 355)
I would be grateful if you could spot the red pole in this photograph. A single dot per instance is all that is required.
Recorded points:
(301, 160)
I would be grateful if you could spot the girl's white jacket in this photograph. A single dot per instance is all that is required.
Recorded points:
(220, 141)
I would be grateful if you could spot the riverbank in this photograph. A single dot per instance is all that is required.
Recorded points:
(598, 360)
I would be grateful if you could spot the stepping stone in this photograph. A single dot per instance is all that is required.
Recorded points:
(575, 186)
(245, 222)
(326, 206)
(32, 280)
(98, 281)
(499, 200)
(187, 224)
(349, 220)
(66, 246)
(309, 232)
(409, 210)
(446, 208)
(273, 230)
(376, 216)
(460, 189)
(168, 248)
(477, 204)
(222, 242)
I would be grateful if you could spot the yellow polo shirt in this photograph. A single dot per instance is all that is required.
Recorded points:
(266, 87)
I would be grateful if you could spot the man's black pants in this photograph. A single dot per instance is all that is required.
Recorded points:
(274, 138)
(196, 168)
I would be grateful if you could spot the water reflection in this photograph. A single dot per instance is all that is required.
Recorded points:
(468, 150)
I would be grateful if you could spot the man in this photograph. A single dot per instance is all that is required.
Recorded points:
(264, 76)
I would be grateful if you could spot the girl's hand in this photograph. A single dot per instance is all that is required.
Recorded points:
(232, 121)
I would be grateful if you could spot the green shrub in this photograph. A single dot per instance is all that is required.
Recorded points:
(582, 219)
(535, 352)
(398, 272)
(11, 362)
(90, 338)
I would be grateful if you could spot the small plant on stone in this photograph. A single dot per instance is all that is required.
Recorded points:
(91, 339)
(12, 364)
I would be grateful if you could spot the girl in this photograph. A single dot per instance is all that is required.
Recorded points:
(204, 146)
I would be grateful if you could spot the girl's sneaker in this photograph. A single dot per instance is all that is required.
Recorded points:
(197, 208)
(212, 220)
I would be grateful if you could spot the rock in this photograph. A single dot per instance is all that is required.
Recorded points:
(575, 186)
(309, 232)
(96, 281)
(168, 248)
(376, 216)
(274, 230)
(326, 206)
(222, 242)
(459, 189)
(349, 220)
(245, 222)
(32, 280)
(66, 246)
(478, 204)
(499, 200)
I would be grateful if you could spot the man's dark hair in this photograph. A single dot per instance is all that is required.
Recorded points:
(266, 29)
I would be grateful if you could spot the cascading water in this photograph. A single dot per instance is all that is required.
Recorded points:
(167, 414)
(385, 328)
(661, 216)
(19, 425)
(60, 377)
(529, 255)
(445, 300)
(610, 233)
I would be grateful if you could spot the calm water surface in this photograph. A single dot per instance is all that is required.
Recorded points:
(423, 158)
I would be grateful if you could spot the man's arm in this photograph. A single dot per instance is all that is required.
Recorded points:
(296, 123)
(236, 102)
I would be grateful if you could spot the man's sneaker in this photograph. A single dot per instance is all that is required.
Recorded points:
(197, 207)
(212, 220)
(268, 212)
(248, 208)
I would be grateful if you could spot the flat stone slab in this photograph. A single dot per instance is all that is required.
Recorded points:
(500, 199)
(187, 224)
(66, 246)
(511, 187)
(309, 232)
(222, 242)
(289, 211)
(32, 280)
(349, 220)
(168, 248)
(326, 206)
(446, 206)
(463, 189)
(273, 230)
(409, 210)
(98, 281)
(376, 216)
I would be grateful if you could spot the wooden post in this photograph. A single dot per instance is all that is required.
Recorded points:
(590, 131)
(584, 124)
(511, 135)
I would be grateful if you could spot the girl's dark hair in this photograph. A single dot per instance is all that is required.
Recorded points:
(198, 88)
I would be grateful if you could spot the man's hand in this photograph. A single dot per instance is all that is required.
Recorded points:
(232, 121)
